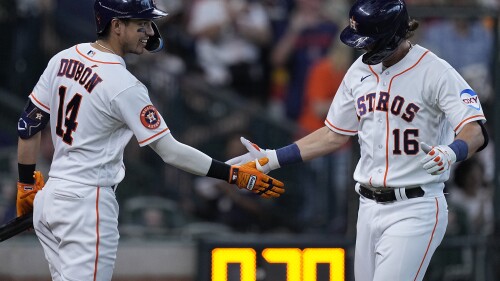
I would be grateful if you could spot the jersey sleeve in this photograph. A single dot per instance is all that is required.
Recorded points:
(134, 107)
(458, 101)
(342, 117)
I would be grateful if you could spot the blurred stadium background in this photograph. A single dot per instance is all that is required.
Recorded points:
(170, 221)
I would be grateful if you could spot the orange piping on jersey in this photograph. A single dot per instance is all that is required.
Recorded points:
(97, 233)
(408, 69)
(386, 143)
(465, 120)
(38, 102)
(98, 61)
(343, 130)
(153, 136)
(374, 73)
(430, 240)
(387, 117)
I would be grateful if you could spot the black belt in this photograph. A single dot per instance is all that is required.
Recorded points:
(389, 195)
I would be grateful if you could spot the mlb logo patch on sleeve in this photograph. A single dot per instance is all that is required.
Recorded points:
(150, 117)
(470, 98)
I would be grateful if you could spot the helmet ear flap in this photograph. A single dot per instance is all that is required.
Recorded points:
(155, 42)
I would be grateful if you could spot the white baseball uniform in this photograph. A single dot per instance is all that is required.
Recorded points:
(95, 107)
(419, 99)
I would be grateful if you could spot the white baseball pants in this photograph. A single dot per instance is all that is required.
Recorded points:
(77, 226)
(395, 241)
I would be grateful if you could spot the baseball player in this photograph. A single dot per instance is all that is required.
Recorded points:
(95, 106)
(414, 117)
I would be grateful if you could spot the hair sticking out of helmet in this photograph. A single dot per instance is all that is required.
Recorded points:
(377, 26)
(106, 10)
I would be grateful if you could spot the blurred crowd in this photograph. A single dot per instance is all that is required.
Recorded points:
(264, 69)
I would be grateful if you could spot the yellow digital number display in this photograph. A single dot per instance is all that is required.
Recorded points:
(301, 265)
(333, 256)
(246, 257)
(291, 256)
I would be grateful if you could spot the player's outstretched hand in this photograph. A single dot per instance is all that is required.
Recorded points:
(254, 153)
(438, 159)
(26, 194)
(247, 176)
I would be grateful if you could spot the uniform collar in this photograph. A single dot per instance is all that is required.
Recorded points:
(92, 54)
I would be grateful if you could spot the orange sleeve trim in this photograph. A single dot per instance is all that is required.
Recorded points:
(153, 136)
(38, 102)
(343, 130)
(90, 59)
(467, 119)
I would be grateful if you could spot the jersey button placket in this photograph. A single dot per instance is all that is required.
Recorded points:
(378, 138)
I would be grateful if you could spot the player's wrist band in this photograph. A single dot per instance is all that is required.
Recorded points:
(460, 148)
(219, 170)
(26, 173)
(289, 154)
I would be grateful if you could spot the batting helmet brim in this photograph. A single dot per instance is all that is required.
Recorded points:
(152, 13)
(355, 40)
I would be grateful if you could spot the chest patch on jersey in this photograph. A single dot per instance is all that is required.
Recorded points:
(150, 117)
(470, 98)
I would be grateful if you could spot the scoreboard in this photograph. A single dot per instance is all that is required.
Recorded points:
(275, 258)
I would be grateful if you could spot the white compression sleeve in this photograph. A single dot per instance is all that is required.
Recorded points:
(182, 156)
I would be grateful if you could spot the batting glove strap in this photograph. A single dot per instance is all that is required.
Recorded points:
(273, 159)
(438, 159)
(273, 163)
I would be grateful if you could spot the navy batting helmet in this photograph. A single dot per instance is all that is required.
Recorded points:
(106, 10)
(378, 26)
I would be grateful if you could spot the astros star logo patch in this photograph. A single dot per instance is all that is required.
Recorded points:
(150, 117)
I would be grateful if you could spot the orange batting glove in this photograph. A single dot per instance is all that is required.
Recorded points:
(247, 176)
(26, 194)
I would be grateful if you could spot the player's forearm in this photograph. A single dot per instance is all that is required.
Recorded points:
(182, 156)
(473, 136)
(320, 142)
(27, 154)
(27, 149)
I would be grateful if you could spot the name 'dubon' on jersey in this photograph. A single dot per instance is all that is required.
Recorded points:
(77, 71)
(369, 103)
